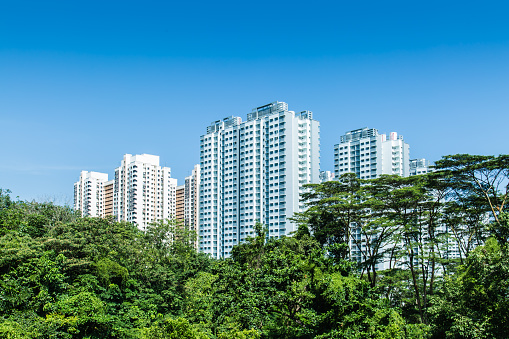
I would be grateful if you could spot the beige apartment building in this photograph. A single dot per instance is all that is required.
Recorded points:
(179, 203)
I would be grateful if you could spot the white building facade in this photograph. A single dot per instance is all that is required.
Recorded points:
(89, 197)
(144, 192)
(254, 171)
(419, 166)
(191, 199)
(326, 176)
(369, 154)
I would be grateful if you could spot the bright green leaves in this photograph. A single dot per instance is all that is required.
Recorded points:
(178, 328)
(268, 287)
(199, 292)
(474, 302)
(29, 278)
(111, 272)
(484, 179)
(63, 276)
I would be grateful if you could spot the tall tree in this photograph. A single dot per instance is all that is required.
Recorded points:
(482, 177)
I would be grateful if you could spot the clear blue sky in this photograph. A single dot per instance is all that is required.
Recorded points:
(83, 82)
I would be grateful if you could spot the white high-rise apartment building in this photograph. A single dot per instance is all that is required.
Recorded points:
(419, 166)
(369, 154)
(191, 202)
(254, 171)
(89, 197)
(326, 176)
(144, 192)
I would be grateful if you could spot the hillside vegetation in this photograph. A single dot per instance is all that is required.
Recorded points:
(442, 236)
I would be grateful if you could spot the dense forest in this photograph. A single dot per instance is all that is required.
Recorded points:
(393, 257)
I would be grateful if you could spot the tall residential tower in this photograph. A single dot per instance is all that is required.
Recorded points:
(89, 194)
(254, 171)
(369, 154)
(179, 203)
(419, 166)
(191, 202)
(144, 191)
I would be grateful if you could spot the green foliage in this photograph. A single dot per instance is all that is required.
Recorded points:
(474, 302)
(268, 287)
(13, 330)
(31, 218)
(356, 312)
(199, 293)
(500, 230)
(333, 206)
(178, 328)
(64, 276)
(483, 177)
(109, 271)
(240, 334)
